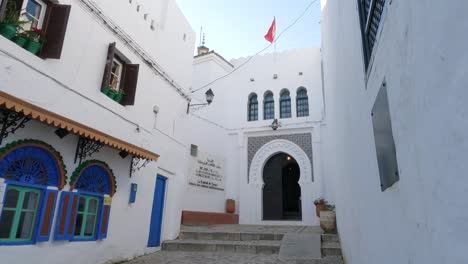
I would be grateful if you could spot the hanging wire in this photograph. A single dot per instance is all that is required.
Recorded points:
(256, 54)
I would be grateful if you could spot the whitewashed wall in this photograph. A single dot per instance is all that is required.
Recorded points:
(421, 53)
(229, 112)
(71, 87)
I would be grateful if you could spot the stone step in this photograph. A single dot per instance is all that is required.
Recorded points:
(330, 238)
(331, 249)
(251, 247)
(229, 236)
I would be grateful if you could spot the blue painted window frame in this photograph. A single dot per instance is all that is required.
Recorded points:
(285, 104)
(38, 215)
(98, 219)
(268, 106)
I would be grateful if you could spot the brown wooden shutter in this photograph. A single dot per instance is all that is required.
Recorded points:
(107, 70)
(129, 83)
(55, 27)
(74, 209)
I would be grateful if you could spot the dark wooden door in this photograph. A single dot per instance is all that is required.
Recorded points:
(273, 190)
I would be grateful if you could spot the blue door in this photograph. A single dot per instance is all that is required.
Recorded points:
(157, 212)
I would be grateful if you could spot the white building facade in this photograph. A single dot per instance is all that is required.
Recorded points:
(88, 177)
(280, 89)
(413, 53)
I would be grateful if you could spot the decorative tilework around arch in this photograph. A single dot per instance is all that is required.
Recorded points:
(94, 176)
(32, 161)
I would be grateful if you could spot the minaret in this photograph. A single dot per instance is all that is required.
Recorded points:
(202, 49)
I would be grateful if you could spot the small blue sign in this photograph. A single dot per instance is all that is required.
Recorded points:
(133, 192)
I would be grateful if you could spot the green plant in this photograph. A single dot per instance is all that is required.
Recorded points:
(320, 200)
(328, 207)
(12, 15)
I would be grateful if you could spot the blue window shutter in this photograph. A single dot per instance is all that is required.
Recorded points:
(66, 216)
(46, 215)
(104, 216)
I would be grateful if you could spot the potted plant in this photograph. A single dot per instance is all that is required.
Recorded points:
(107, 91)
(319, 203)
(118, 95)
(20, 39)
(328, 218)
(35, 39)
(11, 22)
(230, 206)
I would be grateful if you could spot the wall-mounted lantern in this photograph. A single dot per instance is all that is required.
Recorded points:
(209, 95)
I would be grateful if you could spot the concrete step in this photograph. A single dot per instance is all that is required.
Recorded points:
(229, 236)
(330, 238)
(251, 247)
(331, 249)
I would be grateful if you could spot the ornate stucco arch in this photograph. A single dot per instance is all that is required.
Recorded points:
(280, 146)
(256, 175)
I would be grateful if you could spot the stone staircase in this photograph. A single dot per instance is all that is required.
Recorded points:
(248, 240)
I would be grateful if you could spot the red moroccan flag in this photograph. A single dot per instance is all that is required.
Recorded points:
(270, 36)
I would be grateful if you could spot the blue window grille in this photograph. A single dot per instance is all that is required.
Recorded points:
(285, 105)
(253, 108)
(268, 106)
(302, 103)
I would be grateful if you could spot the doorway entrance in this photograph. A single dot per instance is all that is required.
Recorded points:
(154, 239)
(281, 190)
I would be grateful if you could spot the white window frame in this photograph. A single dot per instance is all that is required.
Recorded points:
(118, 76)
(40, 19)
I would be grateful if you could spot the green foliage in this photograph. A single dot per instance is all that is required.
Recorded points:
(12, 15)
(325, 205)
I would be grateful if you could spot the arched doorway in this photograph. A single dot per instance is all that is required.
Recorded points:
(281, 190)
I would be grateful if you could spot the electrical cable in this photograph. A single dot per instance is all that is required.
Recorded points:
(256, 54)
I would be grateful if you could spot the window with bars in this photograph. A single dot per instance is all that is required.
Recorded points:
(253, 108)
(268, 106)
(285, 105)
(302, 103)
(370, 15)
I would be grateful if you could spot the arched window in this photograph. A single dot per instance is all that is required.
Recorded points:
(302, 102)
(253, 108)
(29, 167)
(285, 104)
(268, 106)
(84, 215)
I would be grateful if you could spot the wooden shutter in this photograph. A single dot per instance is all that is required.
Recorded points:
(129, 83)
(66, 216)
(46, 215)
(106, 78)
(103, 221)
(55, 27)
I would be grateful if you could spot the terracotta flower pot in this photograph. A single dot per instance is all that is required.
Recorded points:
(230, 206)
(328, 221)
(318, 207)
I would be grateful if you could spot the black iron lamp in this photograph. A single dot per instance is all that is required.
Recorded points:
(209, 95)
(275, 124)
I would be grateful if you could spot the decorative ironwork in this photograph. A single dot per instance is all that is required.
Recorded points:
(94, 176)
(93, 179)
(32, 162)
(27, 170)
(11, 121)
(86, 148)
(137, 164)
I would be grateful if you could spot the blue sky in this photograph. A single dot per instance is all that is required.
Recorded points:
(235, 28)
